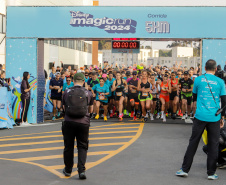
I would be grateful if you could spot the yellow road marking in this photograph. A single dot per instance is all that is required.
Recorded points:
(40, 137)
(92, 128)
(59, 156)
(59, 141)
(53, 170)
(139, 132)
(56, 148)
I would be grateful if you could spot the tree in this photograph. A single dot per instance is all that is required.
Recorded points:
(148, 47)
(165, 53)
(104, 45)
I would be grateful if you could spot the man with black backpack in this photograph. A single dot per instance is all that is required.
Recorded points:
(77, 103)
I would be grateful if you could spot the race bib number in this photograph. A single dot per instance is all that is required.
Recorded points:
(119, 93)
(133, 91)
(144, 94)
(101, 97)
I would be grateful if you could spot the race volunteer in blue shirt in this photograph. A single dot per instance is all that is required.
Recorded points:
(68, 84)
(101, 91)
(208, 90)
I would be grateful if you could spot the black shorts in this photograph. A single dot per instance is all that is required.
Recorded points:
(104, 103)
(173, 95)
(117, 98)
(111, 97)
(133, 96)
(56, 98)
(189, 99)
(155, 97)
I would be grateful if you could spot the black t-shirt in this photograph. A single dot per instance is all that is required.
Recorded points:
(134, 83)
(54, 82)
(24, 95)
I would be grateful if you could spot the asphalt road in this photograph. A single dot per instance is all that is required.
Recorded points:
(122, 153)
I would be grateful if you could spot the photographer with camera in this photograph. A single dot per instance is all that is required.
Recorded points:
(208, 90)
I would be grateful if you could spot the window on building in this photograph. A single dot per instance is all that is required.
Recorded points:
(89, 48)
(2, 24)
(46, 41)
(78, 45)
(63, 43)
(71, 44)
(85, 47)
(82, 45)
(54, 42)
(162, 61)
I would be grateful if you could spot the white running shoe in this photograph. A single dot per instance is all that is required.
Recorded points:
(183, 117)
(188, 120)
(164, 118)
(158, 116)
(152, 117)
(25, 124)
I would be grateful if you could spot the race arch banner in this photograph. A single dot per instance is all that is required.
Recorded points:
(27, 26)
(120, 22)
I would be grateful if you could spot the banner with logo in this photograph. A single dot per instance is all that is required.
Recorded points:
(22, 56)
(48, 102)
(116, 22)
(6, 117)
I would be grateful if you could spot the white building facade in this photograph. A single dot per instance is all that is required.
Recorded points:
(126, 59)
(179, 54)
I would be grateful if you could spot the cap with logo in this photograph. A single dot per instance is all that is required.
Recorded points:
(104, 71)
(186, 73)
(134, 72)
(79, 76)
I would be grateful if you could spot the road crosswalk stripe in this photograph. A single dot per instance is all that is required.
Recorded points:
(49, 136)
(59, 156)
(116, 137)
(61, 131)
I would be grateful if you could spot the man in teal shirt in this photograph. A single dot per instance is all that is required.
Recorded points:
(208, 90)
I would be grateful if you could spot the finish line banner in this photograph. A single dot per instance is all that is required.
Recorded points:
(116, 22)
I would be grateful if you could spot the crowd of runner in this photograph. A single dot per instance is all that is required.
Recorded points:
(139, 92)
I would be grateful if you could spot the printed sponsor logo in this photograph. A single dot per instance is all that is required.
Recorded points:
(157, 27)
(2, 106)
(110, 25)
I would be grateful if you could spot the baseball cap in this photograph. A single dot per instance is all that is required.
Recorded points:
(134, 72)
(57, 73)
(128, 73)
(186, 73)
(104, 71)
(104, 76)
(79, 76)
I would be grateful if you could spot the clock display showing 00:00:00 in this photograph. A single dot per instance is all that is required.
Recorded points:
(125, 45)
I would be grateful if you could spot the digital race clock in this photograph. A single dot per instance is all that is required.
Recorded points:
(125, 45)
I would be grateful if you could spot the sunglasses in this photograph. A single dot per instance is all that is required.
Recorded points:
(68, 80)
